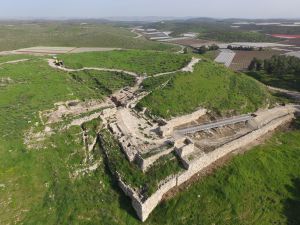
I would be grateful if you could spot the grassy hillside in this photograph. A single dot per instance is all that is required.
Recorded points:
(16, 35)
(211, 86)
(27, 176)
(38, 186)
(150, 62)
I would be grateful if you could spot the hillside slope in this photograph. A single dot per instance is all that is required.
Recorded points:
(211, 86)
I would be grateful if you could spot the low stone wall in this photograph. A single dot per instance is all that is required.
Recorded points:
(150, 204)
(168, 129)
(145, 164)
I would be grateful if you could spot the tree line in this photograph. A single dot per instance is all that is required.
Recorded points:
(278, 65)
(242, 48)
(203, 49)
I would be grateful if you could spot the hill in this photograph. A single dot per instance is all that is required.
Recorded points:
(210, 86)
(150, 62)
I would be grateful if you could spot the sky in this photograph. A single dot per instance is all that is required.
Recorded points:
(128, 8)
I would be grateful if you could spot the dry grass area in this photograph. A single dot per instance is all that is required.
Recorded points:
(242, 59)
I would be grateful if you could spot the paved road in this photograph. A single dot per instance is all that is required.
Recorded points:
(216, 124)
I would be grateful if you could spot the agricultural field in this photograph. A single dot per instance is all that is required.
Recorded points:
(237, 36)
(211, 86)
(196, 43)
(149, 62)
(214, 30)
(16, 35)
(243, 59)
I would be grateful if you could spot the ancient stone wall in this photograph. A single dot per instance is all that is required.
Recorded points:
(168, 129)
(200, 163)
(143, 209)
(146, 163)
(150, 204)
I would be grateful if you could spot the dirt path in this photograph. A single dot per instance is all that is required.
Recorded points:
(14, 61)
(187, 68)
(52, 64)
(138, 35)
(294, 94)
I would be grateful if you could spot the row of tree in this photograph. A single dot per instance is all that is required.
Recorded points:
(203, 49)
(278, 65)
(242, 48)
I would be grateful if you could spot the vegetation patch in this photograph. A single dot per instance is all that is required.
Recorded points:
(278, 71)
(210, 86)
(142, 62)
(152, 83)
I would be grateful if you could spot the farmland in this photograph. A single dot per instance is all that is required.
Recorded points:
(237, 36)
(232, 93)
(16, 35)
(138, 61)
(242, 59)
(212, 30)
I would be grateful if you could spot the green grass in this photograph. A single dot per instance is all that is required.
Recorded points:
(211, 86)
(288, 81)
(152, 83)
(7, 58)
(26, 173)
(150, 62)
(22, 35)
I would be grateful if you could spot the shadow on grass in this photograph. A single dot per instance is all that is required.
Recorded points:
(296, 125)
(292, 204)
(124, 201)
